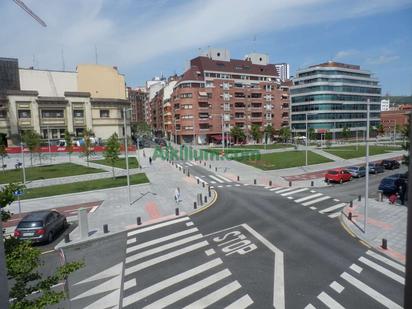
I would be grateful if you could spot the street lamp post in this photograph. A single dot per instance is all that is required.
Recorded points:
(23, 163)
(367, 167)
(194, 131)
(126, 155)
(223, 134)
(48, 142)
(306, 151)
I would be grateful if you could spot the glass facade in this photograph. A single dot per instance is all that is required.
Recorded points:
(340, 98)
(9, 74)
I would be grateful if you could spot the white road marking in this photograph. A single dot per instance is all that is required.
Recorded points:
(382, 270)
(293, 192)
(188, 290)
(129, 284)
(312, 191)
(161, 239)
(290, 197)
(170, 281)
(228, 186)
(320, 199)
(276, 189)
(93, 209)
(310, 306)
(165, 247)
(157, 226)
(386, 260)
(189, 223)
(237, 185)
(131, 241)
(312, 207)
(224, 178)
(279, 278)
(162, 258)
(329, 301)
(210, 252)
(332, 208)
(189, 164)
(336, 200)
(356, 268)
(383, 300)
(267, 187)
(245, 184)
(335, 214)
(337, 287)
(215, 178)
(220, 186)
(213, 182)
(308, 197)
(242, 303)
(286, 190)
(215, 296)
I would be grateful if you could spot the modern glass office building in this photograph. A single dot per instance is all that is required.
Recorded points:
(333, 96)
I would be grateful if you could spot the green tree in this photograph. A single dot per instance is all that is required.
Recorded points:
(285, 134)
(312, 134)
(141, 129)
(87, 149)
(407, 138)
(380, 130)
(237, 134)
(112, 150)
(255, 132)
(69, 143)
(3, 154)
(269, 131)
(32, 141)
(345, 133)
(23, 261)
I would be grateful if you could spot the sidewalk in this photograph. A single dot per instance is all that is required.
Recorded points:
(384, 221)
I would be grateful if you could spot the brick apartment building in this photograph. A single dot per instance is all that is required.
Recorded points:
(216, 91)
(395, 118)
(137, 98)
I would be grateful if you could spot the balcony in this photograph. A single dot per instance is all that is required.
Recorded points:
(78, 121)
(52, 121)
(285, 105)
(240, 95)
(25, 122)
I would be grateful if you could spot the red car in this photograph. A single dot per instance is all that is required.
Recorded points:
(338, 175)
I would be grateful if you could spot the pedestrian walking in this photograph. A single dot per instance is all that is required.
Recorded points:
(144, 154)
(150, 160)
(177, 195)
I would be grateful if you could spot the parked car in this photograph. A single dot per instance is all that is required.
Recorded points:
(375, 168)
(41, 226)
(392, 183)
(338, 175)
(357, 171)
(390, 164)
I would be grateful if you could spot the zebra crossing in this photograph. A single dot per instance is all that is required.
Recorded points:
(360, 284)
(217, 181)
(189, 274)
(323, 204)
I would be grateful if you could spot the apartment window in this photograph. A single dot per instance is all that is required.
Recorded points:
(187, 117)
(226, 86)
(52, 114)
(209, 84)
(54, 133)
(177, 127)
(24, 113)
(186, 95)
(79, 132)
(104, 113)
(78, 113)
(226, 96)
(187, 106)
(3, 114)
(209, 95)
(189, 128)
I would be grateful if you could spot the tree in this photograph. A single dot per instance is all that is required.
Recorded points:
(285, 134)
(112, 150)
(312, 134)
(32, 141)
(269, 130)
(87, 149)
(23, 261)
(3, 154)
(69, 143)
(345, 133)
(141, 128)
(255, 132)
(237, 133)
(405, 145)
(380, 130)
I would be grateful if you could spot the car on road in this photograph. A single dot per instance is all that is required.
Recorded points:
(357, 171)
(338, 175)
(41, 226)
(391, 184)
(376, 167)
(390, 164)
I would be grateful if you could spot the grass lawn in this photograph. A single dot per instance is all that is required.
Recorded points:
(350, 152)
(83, 186)
(269, 146)
(120, 163)
(47, 171)
(279, 160)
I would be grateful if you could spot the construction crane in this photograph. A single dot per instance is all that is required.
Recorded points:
(30, 12)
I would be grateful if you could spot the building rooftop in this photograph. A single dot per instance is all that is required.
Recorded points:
(336, 64)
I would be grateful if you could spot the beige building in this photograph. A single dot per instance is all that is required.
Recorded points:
(50, 102)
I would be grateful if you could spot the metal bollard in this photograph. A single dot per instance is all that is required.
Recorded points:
(188, 174)
(270, 183)
(210, 193)
(198, 181)
(67, 238)
(351, 204)
(83, 223)
(359, 198)
(312, 183)
(105, 228)
(350, 216)
(384, 243)
(254, 181)
(380, 196)
(184, 171)
(210, 166)
(177, 211)
(290, 183)
(194, 205)
(139, 221)
(215, 169)
(205, 199)
(203, 184)
(238, 178)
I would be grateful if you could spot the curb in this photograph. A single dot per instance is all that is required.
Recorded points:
(349, 231)
(207, 205)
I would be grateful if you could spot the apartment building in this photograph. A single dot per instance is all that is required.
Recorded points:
(137, 98)
(217, 93)
(331, 96)
(51, 102)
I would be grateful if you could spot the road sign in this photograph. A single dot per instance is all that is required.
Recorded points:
(18, 193)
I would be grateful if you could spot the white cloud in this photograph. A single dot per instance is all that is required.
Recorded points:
(344, 54)
(382, 59)
(129, 33)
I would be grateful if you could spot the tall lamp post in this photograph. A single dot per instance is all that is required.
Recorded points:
(306, 150)
(367, 167)
(23, 163)
(126, 154)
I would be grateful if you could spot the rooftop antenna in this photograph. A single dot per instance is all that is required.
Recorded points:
(95, 52)
(30, 12)
(63, 64)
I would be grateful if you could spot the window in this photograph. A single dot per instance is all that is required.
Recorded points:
(24, 113)
(79, 132)
(187, 106)
(54, 133)
(186, 95)
(104, 113)
(52, 113)
(78, 113)
(3, 114)
(62, 131)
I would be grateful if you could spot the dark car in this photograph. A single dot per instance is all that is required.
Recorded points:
(40, 226)
(392, 183)
(375, 168)
(390, 164)
(357, 171)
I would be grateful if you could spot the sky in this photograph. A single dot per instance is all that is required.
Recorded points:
(146, 38)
